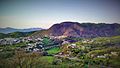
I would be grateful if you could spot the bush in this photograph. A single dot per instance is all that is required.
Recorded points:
(57, 61)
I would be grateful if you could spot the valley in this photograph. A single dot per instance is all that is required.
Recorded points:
(39, 49)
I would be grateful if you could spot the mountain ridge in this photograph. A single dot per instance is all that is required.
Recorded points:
(85, 30)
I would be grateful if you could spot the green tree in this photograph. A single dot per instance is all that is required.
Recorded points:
(46, 41)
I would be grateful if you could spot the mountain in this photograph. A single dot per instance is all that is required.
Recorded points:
(10, 30)
(85, 30)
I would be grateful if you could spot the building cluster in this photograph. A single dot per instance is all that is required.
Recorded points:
(10, 41)
(34, 47)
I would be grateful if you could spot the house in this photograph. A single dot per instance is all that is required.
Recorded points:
(65, 42)
(36, 50)
(72, 46)
(101, 56)
(114, 53)
(87, 41)
(29, 47)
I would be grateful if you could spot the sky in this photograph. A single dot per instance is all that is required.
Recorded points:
(45, 13)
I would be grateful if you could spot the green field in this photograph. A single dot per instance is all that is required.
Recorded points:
(53, 50)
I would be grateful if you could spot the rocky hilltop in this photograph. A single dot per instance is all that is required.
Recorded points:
(85, 30)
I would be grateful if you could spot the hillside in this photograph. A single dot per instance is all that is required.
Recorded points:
(15, 34)
(85, 30)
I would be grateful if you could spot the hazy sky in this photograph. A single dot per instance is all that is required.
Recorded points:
(44, 13)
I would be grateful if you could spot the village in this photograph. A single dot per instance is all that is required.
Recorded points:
(46, 43)
(34, 44)
(39, 44)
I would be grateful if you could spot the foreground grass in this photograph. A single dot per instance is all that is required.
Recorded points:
(49, 59)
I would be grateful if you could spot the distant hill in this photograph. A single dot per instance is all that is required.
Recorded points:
(10, 30)
(16, 34)
(85, 30)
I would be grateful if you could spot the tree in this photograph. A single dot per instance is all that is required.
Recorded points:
(46, 41)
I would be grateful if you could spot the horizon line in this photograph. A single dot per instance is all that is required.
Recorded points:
(59, 23)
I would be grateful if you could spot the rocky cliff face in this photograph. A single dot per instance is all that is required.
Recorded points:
(86, 30)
